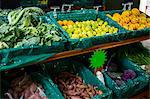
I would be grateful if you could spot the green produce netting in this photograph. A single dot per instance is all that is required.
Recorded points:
(129, 34)
(49, 87)
(131, 87)
(75, 67)
(23, 56)
(83, 15)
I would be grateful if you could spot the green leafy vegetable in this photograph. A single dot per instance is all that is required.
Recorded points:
(26, 27)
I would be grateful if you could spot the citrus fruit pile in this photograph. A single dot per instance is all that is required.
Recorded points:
(131, 19)
(87, 28)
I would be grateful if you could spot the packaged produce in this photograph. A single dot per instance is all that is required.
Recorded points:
(131, 19)
(89, 28)
(24, 88)
(25, 27)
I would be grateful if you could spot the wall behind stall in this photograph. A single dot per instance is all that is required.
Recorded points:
(117, 4)
(9, 4)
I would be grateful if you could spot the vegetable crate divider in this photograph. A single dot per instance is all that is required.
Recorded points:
(74, 67)
(129, 34)
(23, 56)
(83, 15)
(131, 87)
(49, 87)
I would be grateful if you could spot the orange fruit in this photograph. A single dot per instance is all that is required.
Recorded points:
(126, 20)
(126, 13)
(116, 19)
(65, 22)
(116, 15)
(60, 23)
(134, 20)
(135, 11)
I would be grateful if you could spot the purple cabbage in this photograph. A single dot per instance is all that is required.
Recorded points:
(128, 74)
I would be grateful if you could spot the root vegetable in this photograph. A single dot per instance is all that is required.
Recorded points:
(72, 87)
(23, 88)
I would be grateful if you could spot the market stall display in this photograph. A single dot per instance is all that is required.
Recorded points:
(29, 36)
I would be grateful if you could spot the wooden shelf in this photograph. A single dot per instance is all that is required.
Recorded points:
(102, 46)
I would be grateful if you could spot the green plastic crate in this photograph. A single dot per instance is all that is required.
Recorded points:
(75, 67)
(129, 34)
(23, 56)
(131, 87)
(83, 15)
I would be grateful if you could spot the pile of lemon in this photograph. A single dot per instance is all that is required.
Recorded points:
(131, 19)
(87, 28)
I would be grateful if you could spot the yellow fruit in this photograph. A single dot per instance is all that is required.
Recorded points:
(148, 25)
(148, 19)
(70, 23)
(74, 36)
(142, 15)
(142, 21)
(134, 20)
(116, 19)
(109, 15)
(116, 15)
(126, 20)
(126, 26)
(126, 13)
(135, 11)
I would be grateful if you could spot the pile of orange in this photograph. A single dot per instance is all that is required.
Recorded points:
(132, 19)
(65, 22)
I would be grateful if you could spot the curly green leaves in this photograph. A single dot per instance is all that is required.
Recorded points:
(98, 59)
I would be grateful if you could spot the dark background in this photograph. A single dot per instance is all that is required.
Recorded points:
(109, 4)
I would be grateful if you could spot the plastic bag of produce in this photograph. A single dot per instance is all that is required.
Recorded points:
(79, 74)
(27, 85)
(135, 25)
(33, 40)
(90, 23)
(128, 86)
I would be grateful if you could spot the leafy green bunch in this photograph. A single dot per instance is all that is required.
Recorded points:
(26, 27)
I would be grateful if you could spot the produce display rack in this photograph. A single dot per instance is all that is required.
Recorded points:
(70, 53)
(102, 46)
